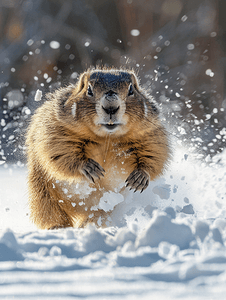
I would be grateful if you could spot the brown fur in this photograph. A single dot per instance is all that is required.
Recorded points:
(69, 145)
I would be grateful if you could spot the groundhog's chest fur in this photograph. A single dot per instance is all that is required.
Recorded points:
(115, 161)
(101, 135)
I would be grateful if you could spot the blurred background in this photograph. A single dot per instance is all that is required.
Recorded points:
(177, 47)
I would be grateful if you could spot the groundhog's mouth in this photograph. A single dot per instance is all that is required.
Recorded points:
(111, 126)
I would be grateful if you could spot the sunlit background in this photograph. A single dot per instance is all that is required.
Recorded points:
(178, 48)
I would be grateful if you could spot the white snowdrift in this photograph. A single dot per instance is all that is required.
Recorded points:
(167, 243)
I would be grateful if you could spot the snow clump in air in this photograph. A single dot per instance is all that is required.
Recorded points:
(54, 45)
(38, 95)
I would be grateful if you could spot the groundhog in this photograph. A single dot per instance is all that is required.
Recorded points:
(101, 135)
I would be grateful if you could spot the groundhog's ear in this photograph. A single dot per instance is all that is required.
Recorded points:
(82, 82)
(148, 99)
(135, 81)
(67, 97)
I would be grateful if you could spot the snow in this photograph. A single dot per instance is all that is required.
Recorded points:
(109, 201)
(135, 32)
(166, 243)
(54, 44)
(30, 42)
(184, 18)
(38, 95)
(209, 72)
(87, 44)
(191, 46)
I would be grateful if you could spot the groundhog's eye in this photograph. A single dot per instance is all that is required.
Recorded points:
(130, 92)
(89, 91)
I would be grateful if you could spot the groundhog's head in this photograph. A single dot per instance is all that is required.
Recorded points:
(108, 102)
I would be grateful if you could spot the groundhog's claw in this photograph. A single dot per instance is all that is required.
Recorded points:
(138, 180)
(91, 169)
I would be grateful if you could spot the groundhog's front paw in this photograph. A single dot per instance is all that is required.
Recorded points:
(138, 180)
(91, 169)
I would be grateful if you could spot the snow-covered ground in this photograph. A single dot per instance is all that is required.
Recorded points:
(167, 243)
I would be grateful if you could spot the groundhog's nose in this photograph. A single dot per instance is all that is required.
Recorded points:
(111, 96)
(110, 103)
